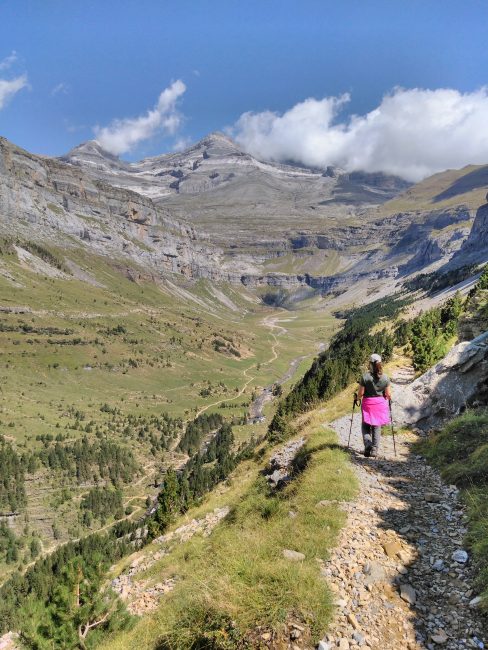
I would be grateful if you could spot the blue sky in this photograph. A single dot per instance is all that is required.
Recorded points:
(87, 63)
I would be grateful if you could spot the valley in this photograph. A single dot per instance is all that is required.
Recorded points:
(123, 362)
(149, 312)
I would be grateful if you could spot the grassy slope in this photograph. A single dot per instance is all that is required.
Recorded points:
(224, 575)
(169, 338)
(422, 196)
(239, 574)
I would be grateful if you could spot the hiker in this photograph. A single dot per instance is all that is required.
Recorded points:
(374, 393)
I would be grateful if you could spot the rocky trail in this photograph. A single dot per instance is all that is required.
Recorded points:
(141, 595)
(400, 572)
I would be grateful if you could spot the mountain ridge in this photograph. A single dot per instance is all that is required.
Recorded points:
(241, 222)
(211, 151)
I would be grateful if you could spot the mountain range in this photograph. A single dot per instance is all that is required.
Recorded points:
(214, 211)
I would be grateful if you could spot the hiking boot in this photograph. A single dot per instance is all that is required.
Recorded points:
(373, 452)
(367, 451)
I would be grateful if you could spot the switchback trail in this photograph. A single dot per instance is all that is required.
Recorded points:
(398, 581)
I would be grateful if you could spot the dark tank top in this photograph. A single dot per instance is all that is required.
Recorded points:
(373, 388)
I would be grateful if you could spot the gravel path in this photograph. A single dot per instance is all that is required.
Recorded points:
(396, 581)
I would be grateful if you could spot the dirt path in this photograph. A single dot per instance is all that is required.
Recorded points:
(397, 581)
(268, 321)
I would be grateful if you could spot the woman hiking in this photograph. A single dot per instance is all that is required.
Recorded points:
(374, 393)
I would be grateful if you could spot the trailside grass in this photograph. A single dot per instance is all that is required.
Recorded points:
(460, 451)
(238, 578)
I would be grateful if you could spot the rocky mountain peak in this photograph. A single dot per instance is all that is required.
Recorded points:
(92, 154)
(214, 145)
(216, 139)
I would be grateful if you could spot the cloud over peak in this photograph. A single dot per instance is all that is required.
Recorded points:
(122, 135)
(10, 87)
(411, 133)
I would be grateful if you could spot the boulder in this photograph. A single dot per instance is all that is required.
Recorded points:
(447, 389)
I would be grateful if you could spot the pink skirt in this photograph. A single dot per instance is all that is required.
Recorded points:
(375, 411)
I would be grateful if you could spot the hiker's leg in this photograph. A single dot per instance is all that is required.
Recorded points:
(367, 436)
(376, 431)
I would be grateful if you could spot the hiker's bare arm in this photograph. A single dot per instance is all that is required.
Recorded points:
(387, 392)
(361, 392)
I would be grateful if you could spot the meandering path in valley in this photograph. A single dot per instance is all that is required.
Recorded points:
(271, 323)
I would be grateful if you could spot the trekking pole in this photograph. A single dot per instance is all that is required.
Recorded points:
(352, 417)
(392, 428)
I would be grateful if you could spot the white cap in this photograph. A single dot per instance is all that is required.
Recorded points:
(375, 357)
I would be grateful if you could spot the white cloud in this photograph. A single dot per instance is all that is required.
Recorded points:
(8, 88)
(182, 143)
(122, 135)
(60, 88)
(8, 60)
(412, 133)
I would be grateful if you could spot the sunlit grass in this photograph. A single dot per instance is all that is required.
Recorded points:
(239, 574)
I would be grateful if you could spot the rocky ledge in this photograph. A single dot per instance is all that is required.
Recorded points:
(280, 467)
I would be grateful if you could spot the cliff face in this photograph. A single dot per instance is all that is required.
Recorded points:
(46, 200)
(215, 212)
(476, 245)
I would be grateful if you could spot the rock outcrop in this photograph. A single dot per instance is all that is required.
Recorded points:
(458, 381)
(475, 248)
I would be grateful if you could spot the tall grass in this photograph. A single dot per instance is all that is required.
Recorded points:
(238, 578)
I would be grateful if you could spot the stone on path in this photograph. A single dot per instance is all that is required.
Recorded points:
(440, 637)
(475, 602)
(374, 573)
(432, 497)
(408, 594)
(353, 621)
(460, 556)
(392, 549)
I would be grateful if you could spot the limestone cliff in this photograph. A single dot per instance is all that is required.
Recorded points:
(475, 247)
(216, 212)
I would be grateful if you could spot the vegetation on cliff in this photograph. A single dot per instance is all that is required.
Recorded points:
(429, 335)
